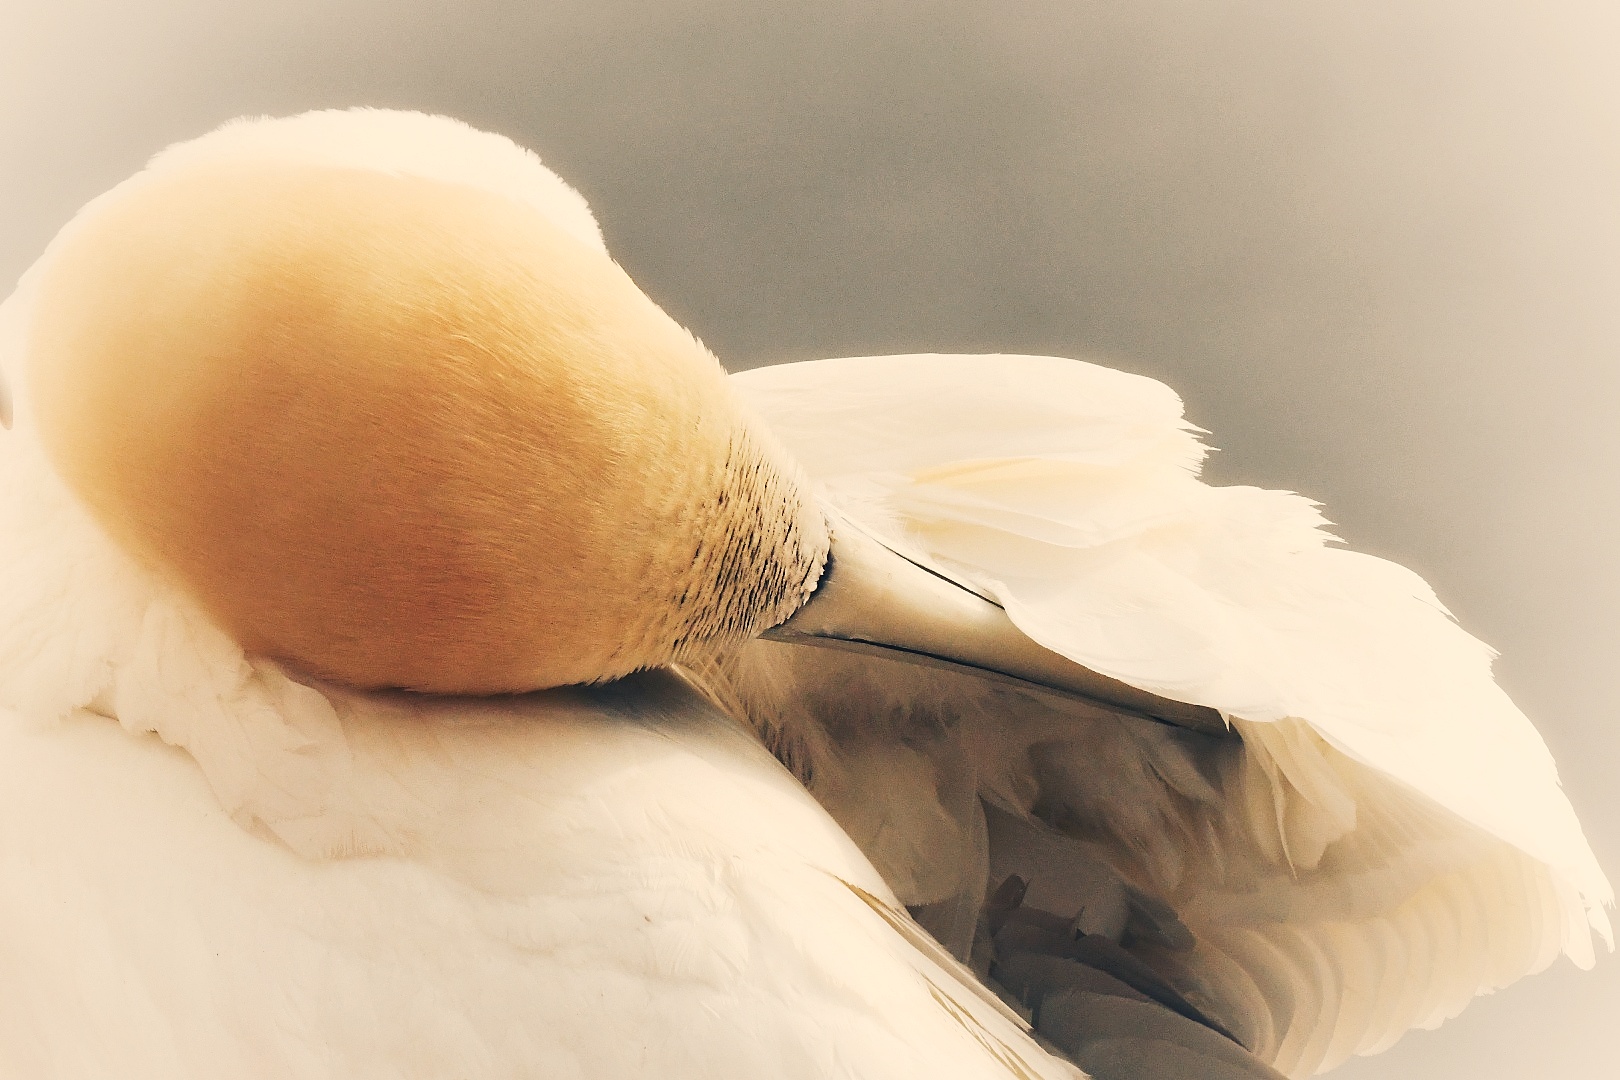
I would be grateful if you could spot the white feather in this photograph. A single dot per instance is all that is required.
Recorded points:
(1390, 841)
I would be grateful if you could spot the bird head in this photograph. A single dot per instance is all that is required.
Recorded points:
(367, 386)
(396, 420)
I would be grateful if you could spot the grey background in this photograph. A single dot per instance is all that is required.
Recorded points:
(1374, 244)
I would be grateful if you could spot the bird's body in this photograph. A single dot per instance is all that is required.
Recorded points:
(213, 862)
(582, 884)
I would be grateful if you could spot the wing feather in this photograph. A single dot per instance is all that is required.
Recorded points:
(1388, 838)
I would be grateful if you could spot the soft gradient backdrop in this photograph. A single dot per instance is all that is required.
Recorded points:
(1375, 244)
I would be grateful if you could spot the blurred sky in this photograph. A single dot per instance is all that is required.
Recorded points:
(1375, 244)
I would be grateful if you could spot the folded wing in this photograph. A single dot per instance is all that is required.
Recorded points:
(1386, 838)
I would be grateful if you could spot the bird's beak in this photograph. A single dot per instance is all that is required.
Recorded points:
(872, 599)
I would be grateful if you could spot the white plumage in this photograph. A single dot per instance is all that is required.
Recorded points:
(211, 866)
(1310, 859)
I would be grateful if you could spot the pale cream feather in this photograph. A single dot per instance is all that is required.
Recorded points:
(1386, 840)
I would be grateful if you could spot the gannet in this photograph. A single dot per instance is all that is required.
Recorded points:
(418, 659)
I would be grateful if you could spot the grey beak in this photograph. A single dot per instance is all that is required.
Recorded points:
(872, 599)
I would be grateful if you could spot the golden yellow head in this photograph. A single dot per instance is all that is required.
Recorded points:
(402, 430)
